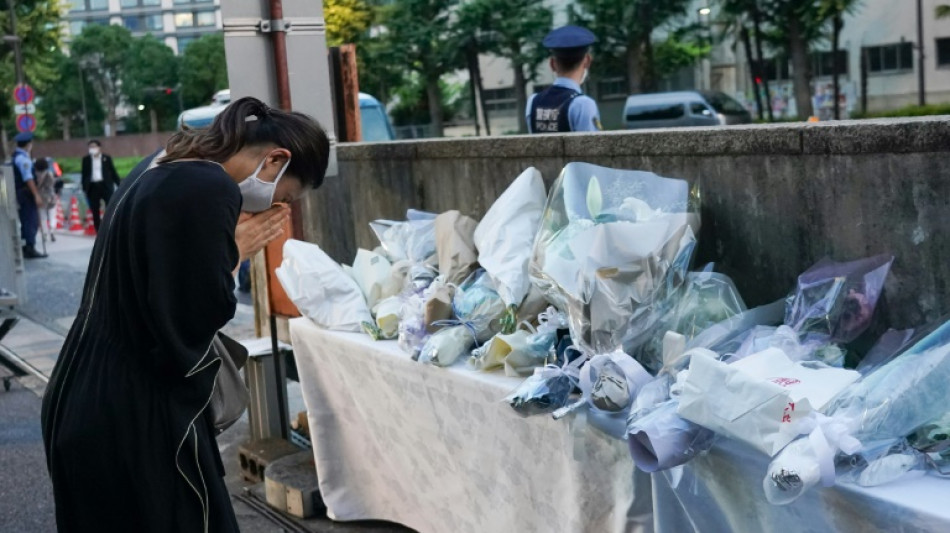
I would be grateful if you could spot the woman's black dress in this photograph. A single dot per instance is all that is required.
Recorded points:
(129, 437)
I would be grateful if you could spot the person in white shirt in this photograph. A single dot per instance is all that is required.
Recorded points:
(99, 179)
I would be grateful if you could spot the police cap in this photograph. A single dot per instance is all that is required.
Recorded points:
(23, 137)
(569, 41)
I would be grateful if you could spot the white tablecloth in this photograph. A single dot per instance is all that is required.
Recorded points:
(439, 451)
(722, 492)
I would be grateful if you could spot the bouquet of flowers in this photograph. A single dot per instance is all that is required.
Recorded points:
(613, 244)
(889, 403)
(504, 238)
(478, 311)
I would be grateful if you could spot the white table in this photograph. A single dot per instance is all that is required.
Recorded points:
(722, 492)
(439, 451)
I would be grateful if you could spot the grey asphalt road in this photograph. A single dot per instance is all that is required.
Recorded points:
(26, 496)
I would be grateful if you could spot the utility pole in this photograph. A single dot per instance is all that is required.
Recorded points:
(82, 95)
(15, 39)
(921, 91)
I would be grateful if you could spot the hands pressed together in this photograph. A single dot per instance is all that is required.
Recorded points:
(254, 231)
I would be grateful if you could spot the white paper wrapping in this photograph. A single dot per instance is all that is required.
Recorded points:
(320, 288)
(372, 273)
(506, 233)
(760, 400)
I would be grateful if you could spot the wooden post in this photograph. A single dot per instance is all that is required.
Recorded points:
(350, 81)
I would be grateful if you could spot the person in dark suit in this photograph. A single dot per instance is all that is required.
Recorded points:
(99, 179)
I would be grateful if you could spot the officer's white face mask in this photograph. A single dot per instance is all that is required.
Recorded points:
(258, 194)
(586, 73)
(93, 151)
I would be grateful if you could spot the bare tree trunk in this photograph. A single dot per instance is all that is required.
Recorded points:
(760, 64)
(747, 46)
(153, 119)
(67, 126)
(634, 69)
(434, 96)
(521, 98)
(801, 77)
(471, 57)
(481, 96)
(651, 84)
(836, 67)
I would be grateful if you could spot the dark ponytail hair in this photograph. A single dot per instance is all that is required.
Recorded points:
(250, 122)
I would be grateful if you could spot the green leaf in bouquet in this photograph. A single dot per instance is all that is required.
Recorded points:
(595, 198)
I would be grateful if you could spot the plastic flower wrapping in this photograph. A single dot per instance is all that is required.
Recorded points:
(658, 437)
(891, 402)
(836, 301)
(478, 310)
(519, 353)
(611, 245)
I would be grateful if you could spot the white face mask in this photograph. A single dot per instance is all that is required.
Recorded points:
(586, 73)
(94, 152)
(258, 194)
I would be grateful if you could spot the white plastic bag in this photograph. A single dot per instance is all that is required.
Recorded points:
(320, 288)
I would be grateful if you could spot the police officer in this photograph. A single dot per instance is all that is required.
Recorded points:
(27, 195)
(563, 106)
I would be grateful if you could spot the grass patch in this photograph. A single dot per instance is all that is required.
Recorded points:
(123, 165)
(909, 111)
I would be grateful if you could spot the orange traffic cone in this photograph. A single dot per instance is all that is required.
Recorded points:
(74, 223)
(60, 219)
(90, 226)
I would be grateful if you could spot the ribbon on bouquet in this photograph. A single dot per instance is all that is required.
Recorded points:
(827, 435)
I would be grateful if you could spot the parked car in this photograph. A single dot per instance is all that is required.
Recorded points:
(373, 118)
(683, 108)
(374, 122)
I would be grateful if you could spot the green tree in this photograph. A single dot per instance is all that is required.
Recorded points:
(942, 11)
(512, 29)
(39, 32)
(203, 70)
(150, 68)
(63, 107)
(624, 30)
(418, 36)
(346, 20)
(103, 52)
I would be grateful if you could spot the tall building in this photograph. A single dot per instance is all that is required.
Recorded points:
(176, 22)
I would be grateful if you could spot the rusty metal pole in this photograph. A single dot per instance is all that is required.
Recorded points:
(279, 40)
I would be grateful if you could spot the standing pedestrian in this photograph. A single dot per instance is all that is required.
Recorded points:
(127, 405)
(563, 106)
(27, 195)
(46, 183)
(99, 179)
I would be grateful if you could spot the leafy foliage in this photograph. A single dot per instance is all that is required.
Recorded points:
(203, 70)
(150, 67)
(346, 20)
(39, 31)
(62, 107)
(103, 51)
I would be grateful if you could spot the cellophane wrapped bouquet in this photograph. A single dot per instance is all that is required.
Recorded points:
(888, 404)
(612, 245)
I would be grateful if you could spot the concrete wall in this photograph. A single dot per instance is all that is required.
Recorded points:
(776, 198)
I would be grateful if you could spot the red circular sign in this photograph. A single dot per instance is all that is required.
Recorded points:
(26, 123)
(23, 94)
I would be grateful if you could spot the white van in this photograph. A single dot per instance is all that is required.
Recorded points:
(683, 108)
